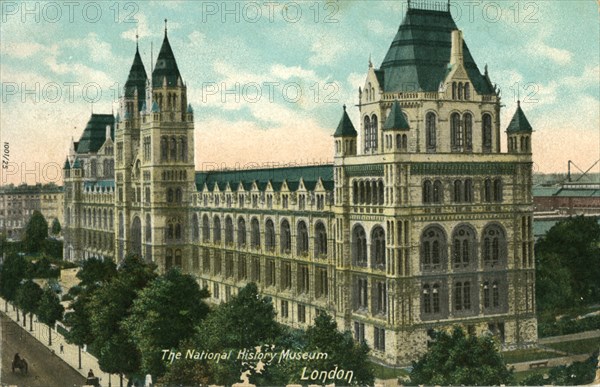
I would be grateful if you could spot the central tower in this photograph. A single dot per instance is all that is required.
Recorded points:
(155, 163)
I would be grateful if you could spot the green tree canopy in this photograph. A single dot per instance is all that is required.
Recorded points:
(36, 233)
(55, 228)
(165, 313)
(459, 359)
(28, 298)
(50, 310)
(575, 242)
(13, 271)
(95, 271)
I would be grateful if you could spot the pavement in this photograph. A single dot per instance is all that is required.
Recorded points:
(70, 352)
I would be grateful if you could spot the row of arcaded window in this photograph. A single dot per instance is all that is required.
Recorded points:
(464, 248)
(369, 192)
(359, 247)
(270, 236)
(173, 148)
(95, 218)
(466, 297)
(462, 191)
(461, 132)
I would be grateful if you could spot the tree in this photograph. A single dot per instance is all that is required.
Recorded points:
(554, 291)
(28, 298)
(55, 228)
(343, 352)
(12, 273)
(95, 271)
(110, 306)
(50, 310)
(36, 232)
(577, 242)
(458, 359)
(164, 314)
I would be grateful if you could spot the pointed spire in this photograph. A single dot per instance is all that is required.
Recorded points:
(396, 119)
(519, 122)
(345, 127)
(166, 65)
(136, 81)
(370, 62)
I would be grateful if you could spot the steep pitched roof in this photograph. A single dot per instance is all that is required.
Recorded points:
(519, 122)
(67, 164)
(291, 175)
(396, 120)
(345, 127)
(94, 134)
(166, 66)
(137, 78)
(418, 58)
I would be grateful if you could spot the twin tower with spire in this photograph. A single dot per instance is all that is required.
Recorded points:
(154, 159)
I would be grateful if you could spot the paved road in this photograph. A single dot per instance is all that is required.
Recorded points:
(45, 369)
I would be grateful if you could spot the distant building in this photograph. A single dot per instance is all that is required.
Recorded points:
(17, 204)
(568, 198)
(420, 223)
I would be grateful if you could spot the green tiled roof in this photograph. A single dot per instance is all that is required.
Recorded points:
(67, 164)
(418, 58)
(137, 79)
(345, 127)
(94, 134)
(166, 66)
(396, 120)
(519, 123)
(544, 191)
(291, 175)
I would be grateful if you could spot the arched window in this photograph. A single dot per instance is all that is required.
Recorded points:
(178, 261)
(374, 132)
(217, 229)
(164, 148)
(468, 127)
(460, 90)
(93, 168)
(111, 219)
(454, 91)
(495, 294)
(426, 299)
(178, 195)
(486, 294)
(168, 259)
(378, 248)
(498, 197)
(487, 132)
(269, 235)
(433, 249)
(462, 296)
(173, 150)
(147, 195)
(255, 233)
(487, 190)
(367, 129)
(430, 131)
(494, 246)
(458, 191)
(205, 229)
(241, 232)
(431, 299)
(195, 228)
(427, 192)
(438, 192)
(467, 91)
(178, 231)
(302, 239)
(228, 230)
(468, 191)
(359, 246)
(320, 240)
(169, 195)
(106, 168)
(148, 231)
(285, 237)
(456, 132)
(183, 149)
(463, 247)
(136, 236)
(121, 225)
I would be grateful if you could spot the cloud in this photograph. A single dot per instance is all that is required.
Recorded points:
(327, 50)
(542, 50)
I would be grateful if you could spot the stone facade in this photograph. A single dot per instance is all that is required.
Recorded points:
(420, 223)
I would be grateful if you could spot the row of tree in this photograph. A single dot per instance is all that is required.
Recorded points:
(129, 315)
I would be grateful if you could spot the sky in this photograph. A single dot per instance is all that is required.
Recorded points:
(268, 79)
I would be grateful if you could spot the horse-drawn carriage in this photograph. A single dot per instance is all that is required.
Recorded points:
(20, 364)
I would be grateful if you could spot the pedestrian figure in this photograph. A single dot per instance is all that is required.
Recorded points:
(62, 348)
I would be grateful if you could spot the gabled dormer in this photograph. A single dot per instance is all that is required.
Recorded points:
(395, 130)
(458, 85)
(519, 132)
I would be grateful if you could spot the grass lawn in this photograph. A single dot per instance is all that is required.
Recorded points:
(585, 346)
(522, 355)
(383, 372)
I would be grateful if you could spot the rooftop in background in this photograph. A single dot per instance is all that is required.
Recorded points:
(23, 188)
